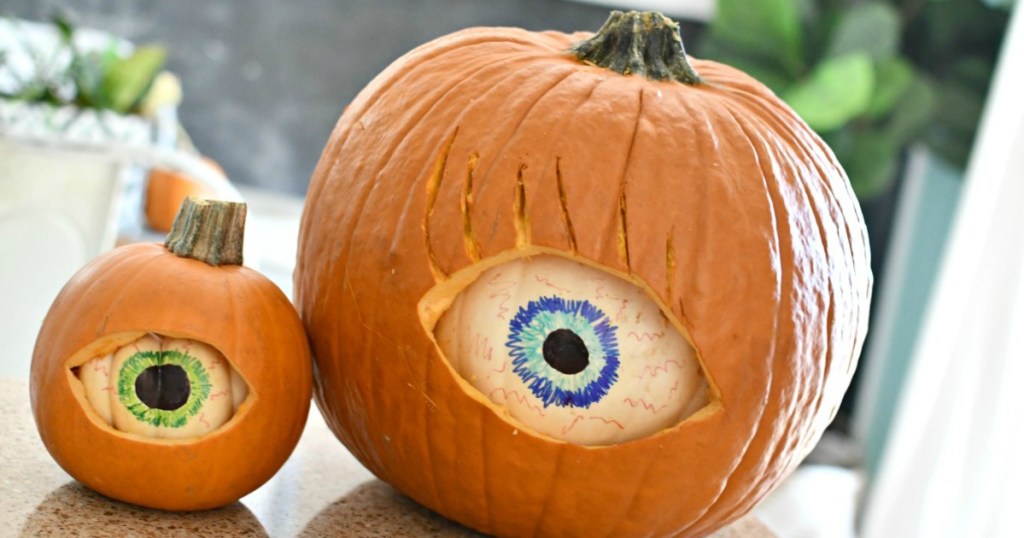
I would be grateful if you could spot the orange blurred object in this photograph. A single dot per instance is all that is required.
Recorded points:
(167, 189)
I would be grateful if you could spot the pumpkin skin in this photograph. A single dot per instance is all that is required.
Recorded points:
(167, 189)
(495, 143)
(233, 308)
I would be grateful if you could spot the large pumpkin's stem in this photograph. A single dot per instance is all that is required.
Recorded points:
(210, 231)
(639, 43)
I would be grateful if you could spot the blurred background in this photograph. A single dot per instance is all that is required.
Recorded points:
(237, 98)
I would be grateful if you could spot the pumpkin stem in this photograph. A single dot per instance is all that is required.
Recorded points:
(211, 231)
(639, 43)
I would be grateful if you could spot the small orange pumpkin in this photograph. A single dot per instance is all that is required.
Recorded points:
(171, 376)
(167, 189)
(501, 224)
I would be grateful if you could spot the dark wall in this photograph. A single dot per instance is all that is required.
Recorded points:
(265, 80)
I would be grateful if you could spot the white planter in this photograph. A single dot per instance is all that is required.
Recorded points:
(62, 178)
(59, 206)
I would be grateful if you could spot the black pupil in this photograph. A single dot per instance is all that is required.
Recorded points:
(163, 387)
(565, 351)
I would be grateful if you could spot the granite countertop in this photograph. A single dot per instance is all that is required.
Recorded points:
(321, 491)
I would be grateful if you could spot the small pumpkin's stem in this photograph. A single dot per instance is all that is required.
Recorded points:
(639, 43)
(211, 231)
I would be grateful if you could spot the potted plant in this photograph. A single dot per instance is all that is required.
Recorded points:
(74, 106)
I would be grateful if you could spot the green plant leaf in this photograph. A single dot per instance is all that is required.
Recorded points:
(66, 29)
(870, 157)
(765, 25)
(127, 80)
(892, 79)
(913, 112)
(870, 27)
(838, 90)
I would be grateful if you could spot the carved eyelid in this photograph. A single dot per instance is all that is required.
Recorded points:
(495, 323)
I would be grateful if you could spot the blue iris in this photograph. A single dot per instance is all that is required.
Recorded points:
(533, 324)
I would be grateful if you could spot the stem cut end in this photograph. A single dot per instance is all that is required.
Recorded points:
(211, 231)
(639, 43)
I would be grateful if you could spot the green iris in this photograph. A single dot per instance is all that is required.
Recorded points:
(163, 388)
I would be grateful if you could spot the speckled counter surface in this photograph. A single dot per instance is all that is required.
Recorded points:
(321, 491)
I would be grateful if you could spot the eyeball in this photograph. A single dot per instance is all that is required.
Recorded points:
(572, 351)
(162, 388)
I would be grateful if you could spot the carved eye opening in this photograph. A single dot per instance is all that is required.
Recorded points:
(161, 387)
(569, 350)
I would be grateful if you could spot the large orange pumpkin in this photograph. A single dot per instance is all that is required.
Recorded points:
(493, 147)
(171, 376)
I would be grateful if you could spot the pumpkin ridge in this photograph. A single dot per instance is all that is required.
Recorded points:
(826, 369)
(566, 217)
(368, 187)
(548, 490)
(520, 217)
(791, 448)
(486, 488)
(844, 239)
(559, 185)
(364, 200)
(816, 152)
(626, 519)
(433, 186)
(428, 416)
(413, 192)
(388, 78)
(622, 235)
(127, 286)
(369, 365)
(699, 522)
(827, 192)
(784, 284)
(483, 177)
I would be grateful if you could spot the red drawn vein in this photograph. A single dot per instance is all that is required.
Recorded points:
(640, 401)
(202, 418)
(547, 281)
(216, 395)
(640, 337)
(672, 390)
(525, 400)
(565, 429)
(99, 366)
(503, 292)
(622, 301)
(610, 421)
(653, 370)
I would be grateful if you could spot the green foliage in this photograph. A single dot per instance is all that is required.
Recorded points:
(836, 91)
(870, 76)
(96, 79)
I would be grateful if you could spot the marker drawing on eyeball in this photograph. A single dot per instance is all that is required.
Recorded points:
(568, 369)
(163, 388)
